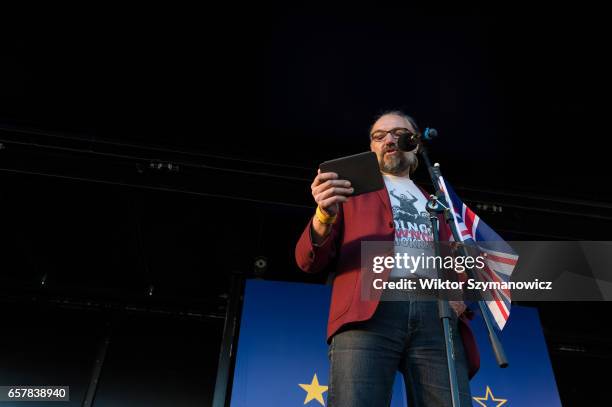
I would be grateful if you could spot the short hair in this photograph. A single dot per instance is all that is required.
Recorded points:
(412, 122)
(399, 113)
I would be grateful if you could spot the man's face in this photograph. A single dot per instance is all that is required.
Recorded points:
(390, 159)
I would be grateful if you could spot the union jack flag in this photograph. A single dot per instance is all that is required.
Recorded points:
(500, 259)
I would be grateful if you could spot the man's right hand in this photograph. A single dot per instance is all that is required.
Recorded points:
(328, 192)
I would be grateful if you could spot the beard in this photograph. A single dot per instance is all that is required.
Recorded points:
(397, 164)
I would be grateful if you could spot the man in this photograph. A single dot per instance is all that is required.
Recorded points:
(369, 340)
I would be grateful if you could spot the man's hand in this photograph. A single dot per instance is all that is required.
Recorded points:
(328, 192)
(458, 306)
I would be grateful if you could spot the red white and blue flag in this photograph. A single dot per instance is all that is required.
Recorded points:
(500, 258)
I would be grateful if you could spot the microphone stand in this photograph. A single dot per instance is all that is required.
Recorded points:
(444, 310)
(437, 205)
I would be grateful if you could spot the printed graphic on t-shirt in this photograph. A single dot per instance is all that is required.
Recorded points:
(413, 232)
(411, 224)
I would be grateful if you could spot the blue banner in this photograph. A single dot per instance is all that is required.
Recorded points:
(529, 379)
(282, 353)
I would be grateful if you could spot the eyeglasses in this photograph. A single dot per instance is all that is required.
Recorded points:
(397, 132)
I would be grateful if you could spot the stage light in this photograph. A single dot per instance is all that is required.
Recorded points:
(260, 265)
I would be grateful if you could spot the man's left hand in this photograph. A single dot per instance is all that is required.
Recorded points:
(458, 306)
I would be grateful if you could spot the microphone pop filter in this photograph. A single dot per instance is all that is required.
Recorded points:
(407, 142)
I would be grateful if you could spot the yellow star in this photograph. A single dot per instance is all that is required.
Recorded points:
(488, 394)
(314, 391)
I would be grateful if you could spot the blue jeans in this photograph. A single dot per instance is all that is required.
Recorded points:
(402, 335)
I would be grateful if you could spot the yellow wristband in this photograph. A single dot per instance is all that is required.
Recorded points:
(325, 218)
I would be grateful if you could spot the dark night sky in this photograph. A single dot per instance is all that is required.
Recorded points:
(515, 96)
(512, 94)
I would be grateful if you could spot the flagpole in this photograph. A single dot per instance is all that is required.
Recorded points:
(435, 174)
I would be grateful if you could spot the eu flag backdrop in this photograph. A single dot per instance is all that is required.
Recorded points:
(282, 354)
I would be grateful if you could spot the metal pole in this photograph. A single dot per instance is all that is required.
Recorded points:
(97, 370)
(230, 330)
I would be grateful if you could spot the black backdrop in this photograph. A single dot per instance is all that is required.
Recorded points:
(248, 102)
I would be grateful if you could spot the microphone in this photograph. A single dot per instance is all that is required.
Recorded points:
(408, 142)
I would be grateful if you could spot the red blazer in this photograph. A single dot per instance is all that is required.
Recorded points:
(366, 217)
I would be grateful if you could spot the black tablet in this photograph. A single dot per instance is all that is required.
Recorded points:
(361, 170)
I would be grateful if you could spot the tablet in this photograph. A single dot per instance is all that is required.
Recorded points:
(361, 170)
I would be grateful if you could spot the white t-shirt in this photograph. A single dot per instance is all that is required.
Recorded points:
(412, 224)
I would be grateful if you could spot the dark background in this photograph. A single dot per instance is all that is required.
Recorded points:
(101, 237)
